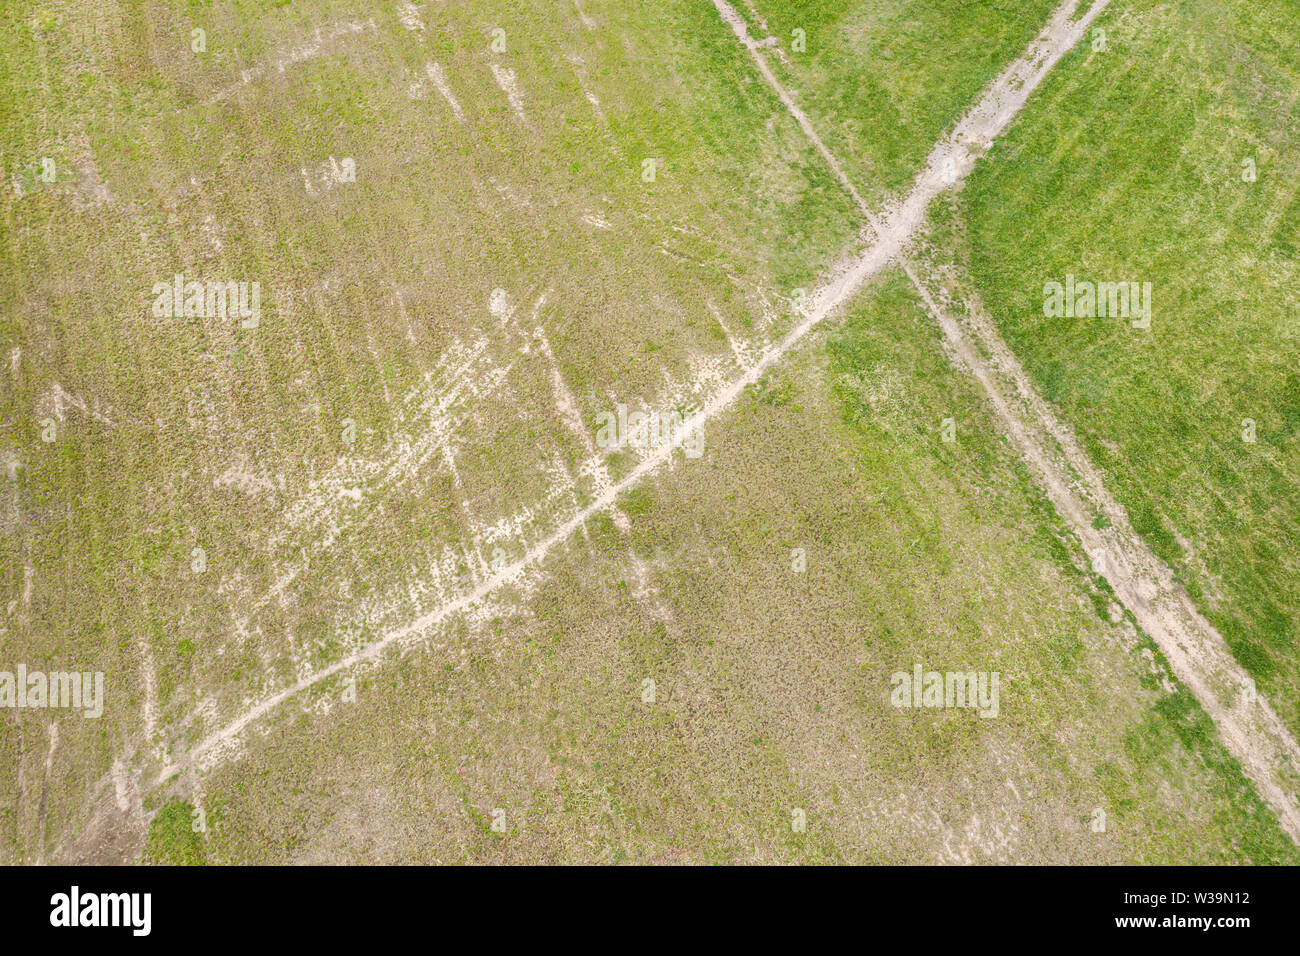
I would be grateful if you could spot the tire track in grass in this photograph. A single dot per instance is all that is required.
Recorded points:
(949, 161)
(1250, 729)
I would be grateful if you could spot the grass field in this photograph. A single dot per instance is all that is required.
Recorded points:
(885, 80)
(771, 685)
(477, 228)
(1130, 166)
(378, 312)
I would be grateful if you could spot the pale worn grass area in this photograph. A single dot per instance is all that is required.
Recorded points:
(772, 686)
(394, 419)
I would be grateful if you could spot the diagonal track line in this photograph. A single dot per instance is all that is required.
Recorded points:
(948, 162)
(1249, 727)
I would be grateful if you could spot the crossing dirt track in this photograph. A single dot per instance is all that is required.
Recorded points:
(505, 433)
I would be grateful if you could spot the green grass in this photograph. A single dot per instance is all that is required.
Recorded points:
(884, 81)
(367, 288)
(772, 685)
(1127, 165)
(172, 840)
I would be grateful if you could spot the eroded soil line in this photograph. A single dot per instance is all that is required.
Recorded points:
(1198, 655)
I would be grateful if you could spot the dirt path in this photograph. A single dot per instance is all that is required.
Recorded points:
(947, 164)
(950, 159)
(1197, 653)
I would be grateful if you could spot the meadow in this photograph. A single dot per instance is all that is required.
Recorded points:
(478, 231)
(1170, 158)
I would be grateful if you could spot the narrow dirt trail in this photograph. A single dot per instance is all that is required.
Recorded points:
(1198, 655)
(950, 160)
